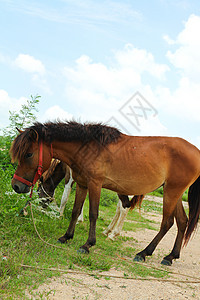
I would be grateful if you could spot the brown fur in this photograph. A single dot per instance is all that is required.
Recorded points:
(101, 156)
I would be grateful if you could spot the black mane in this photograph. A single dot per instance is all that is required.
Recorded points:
(65, 132)
(74, 131)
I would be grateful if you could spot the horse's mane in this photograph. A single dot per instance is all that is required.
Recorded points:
(64, 132)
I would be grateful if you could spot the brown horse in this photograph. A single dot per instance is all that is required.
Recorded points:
(101, 156)
(59, 170)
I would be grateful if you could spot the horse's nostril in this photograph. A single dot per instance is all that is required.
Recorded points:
(16, 188)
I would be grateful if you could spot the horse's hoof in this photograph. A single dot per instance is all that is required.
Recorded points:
(139, 258)
(61, 240)
(111, 237)
(105, 233)
(82, 251)
(166, 262)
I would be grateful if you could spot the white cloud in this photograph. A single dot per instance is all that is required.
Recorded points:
(118, 79)
(152, 126)
(168, 40)
(56, 113)
(8, 103)
(29, 64)
(184, 100)
(98, 90)
(122, 76)
(37, 70)
(187, 56)
(140, 60)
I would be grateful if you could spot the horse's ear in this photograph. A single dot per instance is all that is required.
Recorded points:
(20, 131)
(33, 135)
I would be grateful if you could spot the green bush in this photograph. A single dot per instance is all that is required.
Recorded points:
(108, 198)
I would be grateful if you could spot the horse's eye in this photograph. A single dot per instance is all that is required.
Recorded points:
(28, 155)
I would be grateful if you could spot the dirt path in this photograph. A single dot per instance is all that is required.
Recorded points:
(79, 286)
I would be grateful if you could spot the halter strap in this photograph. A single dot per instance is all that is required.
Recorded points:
(22, 180)
(38, 173)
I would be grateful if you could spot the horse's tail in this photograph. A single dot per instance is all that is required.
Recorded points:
(194, 209)
(136, 200)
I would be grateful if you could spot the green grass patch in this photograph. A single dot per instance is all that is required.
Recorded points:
(152, 206)
(20, 245)
(159, 193)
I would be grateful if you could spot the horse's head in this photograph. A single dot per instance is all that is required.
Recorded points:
(33, 157)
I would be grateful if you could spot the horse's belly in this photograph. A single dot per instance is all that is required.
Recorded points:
(134, 186)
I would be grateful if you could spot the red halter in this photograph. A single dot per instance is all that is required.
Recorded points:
(38, 173)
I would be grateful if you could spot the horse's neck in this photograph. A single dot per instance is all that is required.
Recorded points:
(66, 151)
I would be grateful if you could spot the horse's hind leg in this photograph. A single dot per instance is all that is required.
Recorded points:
(114, 220)
(118, 228)
(165, 226)
(125, 201)
(181, 220)
(170, 199)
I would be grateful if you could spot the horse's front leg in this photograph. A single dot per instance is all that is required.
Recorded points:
(81, 194)
(94, 197)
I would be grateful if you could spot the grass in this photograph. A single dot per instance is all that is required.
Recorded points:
(152, 206)
(159, 193)
(20, 245)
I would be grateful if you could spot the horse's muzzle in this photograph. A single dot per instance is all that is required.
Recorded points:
(19, 187)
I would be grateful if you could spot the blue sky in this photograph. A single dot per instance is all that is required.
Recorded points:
(86, 59)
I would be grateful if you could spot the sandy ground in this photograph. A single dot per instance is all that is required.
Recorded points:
(83, 286)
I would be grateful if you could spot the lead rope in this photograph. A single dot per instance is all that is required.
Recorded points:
(38, 232)
(45, 192)
(110, 275)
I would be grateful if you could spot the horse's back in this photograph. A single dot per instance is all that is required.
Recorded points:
(142, 164)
